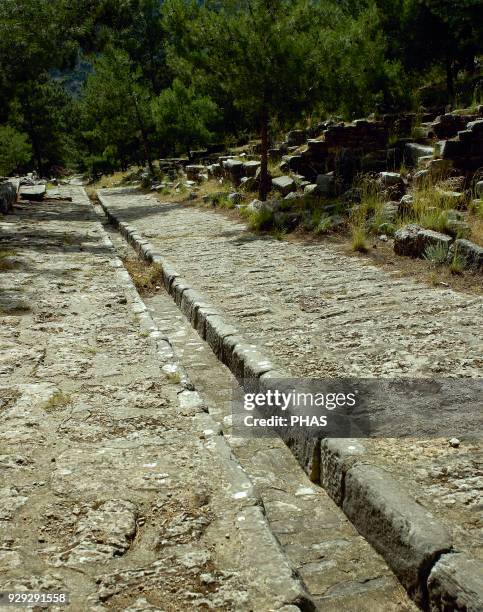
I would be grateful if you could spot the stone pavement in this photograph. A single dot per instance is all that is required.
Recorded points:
(318, 312)
(114, 483)
(338, 566)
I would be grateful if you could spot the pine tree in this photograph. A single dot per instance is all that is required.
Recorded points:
(116, 110)
(262, 53)
(183, 118)
(15, 151)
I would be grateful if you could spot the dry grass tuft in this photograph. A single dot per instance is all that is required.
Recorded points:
(359, 239)
(57, 400)
(145, 276)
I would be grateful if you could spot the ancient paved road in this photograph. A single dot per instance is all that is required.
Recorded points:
(339, 568)
(316, 310)
(113, 483)
(319, 312)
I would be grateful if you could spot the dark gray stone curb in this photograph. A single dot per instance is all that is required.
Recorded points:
(416, 546)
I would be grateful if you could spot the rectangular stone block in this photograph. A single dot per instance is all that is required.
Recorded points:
(216, 331)
(337, 455)
(201, 315)
(407, 535)
(188, 301)
(169, 274)
(456, 584)
(177, 288)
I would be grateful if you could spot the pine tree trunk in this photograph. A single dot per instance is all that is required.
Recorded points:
(264, 182)
(450, 79)
(34, 140)
(144, 137)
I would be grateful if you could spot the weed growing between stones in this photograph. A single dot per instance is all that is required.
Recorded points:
(146, 277)
(174, 378)
(57, 400)
(5, 263)
(274, 169)
(436, 254)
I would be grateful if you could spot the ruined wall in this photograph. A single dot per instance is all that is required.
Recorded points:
(346, 149)
(466, 151)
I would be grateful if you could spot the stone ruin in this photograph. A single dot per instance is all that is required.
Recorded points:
(8, 195)
(324, 160)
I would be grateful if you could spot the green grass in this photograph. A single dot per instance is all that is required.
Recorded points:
(261, 219)
(403, 170)
(359, 239)
(368, 216)
(430, 209)
(457, 263)
(274, 169)
(324, 224)
(279, 233)
(221, 200)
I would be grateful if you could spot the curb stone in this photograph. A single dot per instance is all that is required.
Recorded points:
(337, 455)
(297, 597)
(456, 583)
(396, 526)
(409, 538)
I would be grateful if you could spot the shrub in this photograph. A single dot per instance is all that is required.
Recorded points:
(436, 254)
(15, 150)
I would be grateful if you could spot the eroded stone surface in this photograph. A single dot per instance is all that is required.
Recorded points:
(320, 313)
(315, 534)
(107, 486)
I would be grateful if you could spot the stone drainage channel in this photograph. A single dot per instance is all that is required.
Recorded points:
(338, 566)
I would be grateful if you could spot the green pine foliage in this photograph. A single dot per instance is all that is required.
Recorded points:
(183, 117)
(169, 75)
(15, 150)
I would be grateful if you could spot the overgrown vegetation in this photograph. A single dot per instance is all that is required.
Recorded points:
(15, 150)
(436, 254)
(261, 219)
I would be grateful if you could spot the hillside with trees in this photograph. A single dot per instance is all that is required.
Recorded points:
(97, 86)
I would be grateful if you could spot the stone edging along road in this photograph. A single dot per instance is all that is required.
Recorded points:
(416, 546)
(289, 586)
